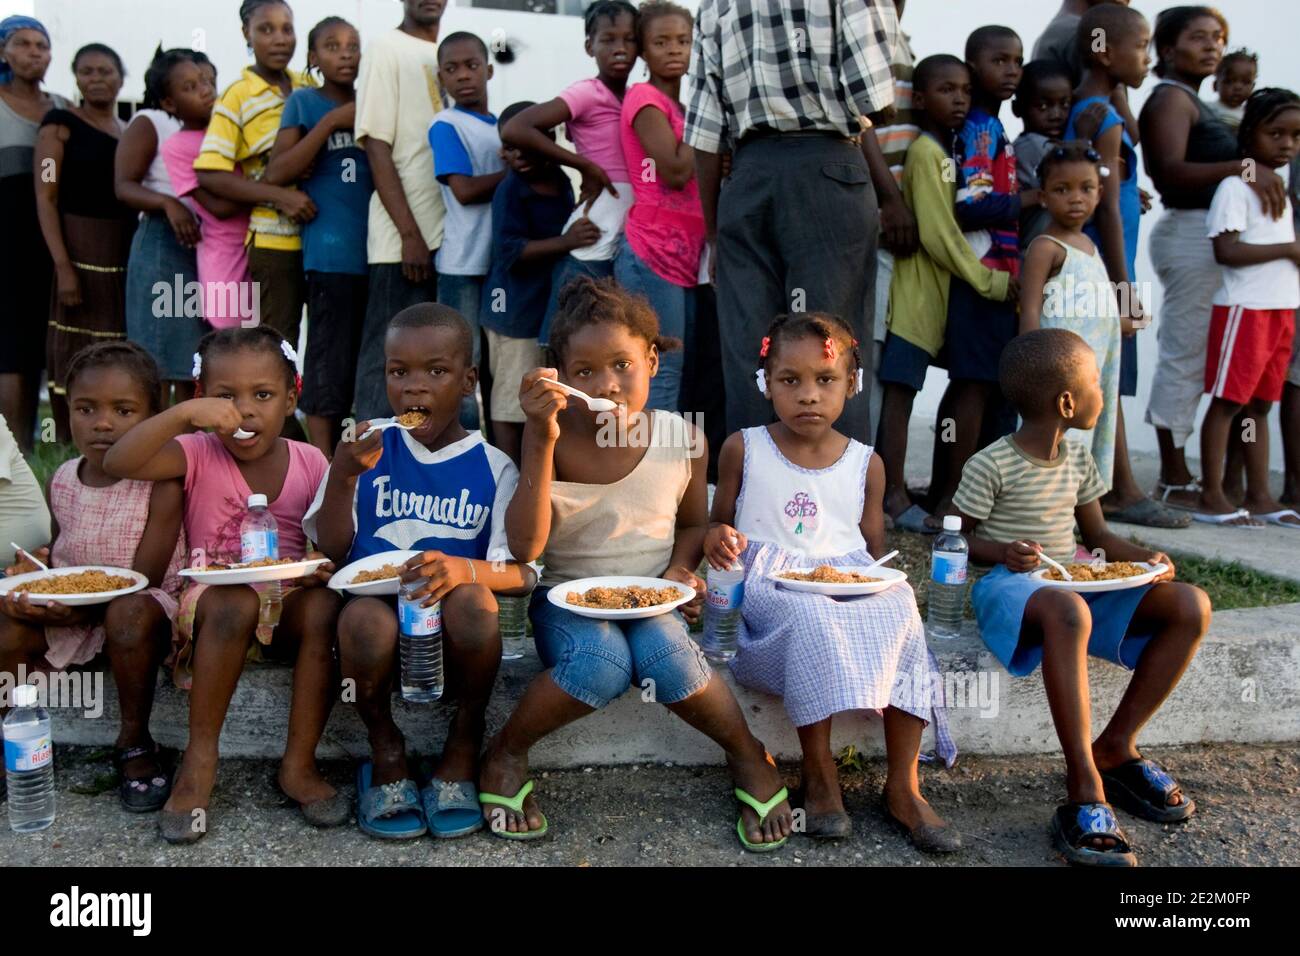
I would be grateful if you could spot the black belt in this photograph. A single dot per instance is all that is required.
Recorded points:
(766, 132)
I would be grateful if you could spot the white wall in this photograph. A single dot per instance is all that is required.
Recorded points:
(550, 55)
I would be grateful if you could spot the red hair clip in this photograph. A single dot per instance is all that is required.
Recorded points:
(297, 383)
(767, 344)
(829, 348)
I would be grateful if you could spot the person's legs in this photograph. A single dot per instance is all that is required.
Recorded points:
(589, 665)
(1290, 416)
(224, 623)
(668, 664)
(818, 776)
(308, 620)
(891, 445)
(1259, 497)
(510, 359)
(472, 649)
(825, 226)
(902, 786)
(1177, 616)
(463, 293)
(750, 286)
(1214, 442)
(368, 659)
(19, 394)
(389, 293)
(335, 312)
(137, 635)
(21, 645)
(880, 312)
(669, 303)
(1234, 462)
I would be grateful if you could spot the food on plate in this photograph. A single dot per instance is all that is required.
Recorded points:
(1102, 572)
(412, 419)
(825, 574)
(261, 563)
(623, 598)
(378, 574)
(79, 582)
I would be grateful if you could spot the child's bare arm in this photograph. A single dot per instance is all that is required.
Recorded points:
(1110, 224)
(528, 519)
(161, 531)
(872, 524)
(334, 528)
(674, 160)
(150, 452)
(1043, 260)
(443, 573)
(525, 132)
(1229, 250)
(1016, 555)
(692, 522)
(723, 543)
(473, 190)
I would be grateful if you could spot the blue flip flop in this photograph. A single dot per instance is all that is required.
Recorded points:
(451, 808)
(390, 811)
(913, 519)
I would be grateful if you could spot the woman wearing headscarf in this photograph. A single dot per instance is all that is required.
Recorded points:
(26, 270)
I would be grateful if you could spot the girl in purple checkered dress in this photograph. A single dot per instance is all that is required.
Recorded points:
(799, 493)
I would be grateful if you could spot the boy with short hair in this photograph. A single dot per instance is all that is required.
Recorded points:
(442, 491)
(467, 164)
(1022, 496)
(529, 210)
(1043, 103)
(918, 298)
(988, 207)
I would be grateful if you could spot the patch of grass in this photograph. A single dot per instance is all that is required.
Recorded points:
(1232, 585)
(46, 457)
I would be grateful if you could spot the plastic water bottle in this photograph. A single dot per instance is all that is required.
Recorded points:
(726, 592)
(947, 600)
(512, 614)
(420, 645)
(259, 539)
(29, 763)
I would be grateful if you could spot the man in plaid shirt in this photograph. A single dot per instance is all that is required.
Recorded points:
(783, 82)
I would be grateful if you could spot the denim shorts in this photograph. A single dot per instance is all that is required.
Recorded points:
(596, 661)
(902, 363)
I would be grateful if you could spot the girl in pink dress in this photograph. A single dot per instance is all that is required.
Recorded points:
(106, 521)
(249, 380)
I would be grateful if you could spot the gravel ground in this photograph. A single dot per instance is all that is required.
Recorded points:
(1247, 814)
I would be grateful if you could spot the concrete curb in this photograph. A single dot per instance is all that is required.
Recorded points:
(1243, 687)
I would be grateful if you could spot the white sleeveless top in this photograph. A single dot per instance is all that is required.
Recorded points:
(165, 126)
(812, 511)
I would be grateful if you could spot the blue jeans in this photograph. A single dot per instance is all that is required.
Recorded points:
(596, 661)
(674, 305)
(463, 293)
(566, 269)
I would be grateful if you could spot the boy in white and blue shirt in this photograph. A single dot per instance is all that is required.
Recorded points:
(468, 167)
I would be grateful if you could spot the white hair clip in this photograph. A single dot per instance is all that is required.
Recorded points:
(1103, 171)
(289, 353)
(198, 365)
(761, 378)
(859, 391)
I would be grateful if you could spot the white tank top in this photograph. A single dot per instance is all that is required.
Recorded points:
(166, 126)
(813, 511)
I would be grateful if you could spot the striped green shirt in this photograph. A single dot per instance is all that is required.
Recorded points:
(1017, 497)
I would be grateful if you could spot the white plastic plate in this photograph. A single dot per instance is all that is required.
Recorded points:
(1094, 587)
(557, 596)
(389, 586)
(260, 575)
(888, 578)
(76, 600)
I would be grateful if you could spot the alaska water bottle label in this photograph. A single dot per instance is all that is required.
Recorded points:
(726, 597)
(417, 620)
(949, 567)
(258, 545)
(24, 755)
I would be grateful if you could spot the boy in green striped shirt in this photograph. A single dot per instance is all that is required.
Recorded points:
(1021, 496)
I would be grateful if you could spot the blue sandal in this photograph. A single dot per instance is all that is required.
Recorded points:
(1075, 823)
(451, 808)
(390, 811)
(1143, 788)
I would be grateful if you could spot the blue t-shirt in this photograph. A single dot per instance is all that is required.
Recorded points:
(1130, 203)
(516, 293)
(451, 500)
(340, 185)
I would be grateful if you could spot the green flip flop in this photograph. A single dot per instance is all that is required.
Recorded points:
(763, 810)
(516, 804)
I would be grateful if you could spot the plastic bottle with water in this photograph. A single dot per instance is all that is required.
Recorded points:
(947, 598)
(726, 592)
(259, 539)
(29, 763)
(420, 645)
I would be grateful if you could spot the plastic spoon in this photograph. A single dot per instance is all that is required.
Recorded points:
(31, 557)
(393, 424)
(241, 434)
(595, 404)
(889, 557)
(1060, 567)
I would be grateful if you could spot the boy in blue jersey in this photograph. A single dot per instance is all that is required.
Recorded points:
(442, 491)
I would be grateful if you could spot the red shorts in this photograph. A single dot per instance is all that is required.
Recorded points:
(1248, 353)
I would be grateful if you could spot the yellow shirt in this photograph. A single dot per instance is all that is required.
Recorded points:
(241, 132)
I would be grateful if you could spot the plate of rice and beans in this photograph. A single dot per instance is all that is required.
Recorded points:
(620, 598)
(78, 586)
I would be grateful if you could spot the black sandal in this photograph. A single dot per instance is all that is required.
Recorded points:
(145, 795)
(1075, 823)
(1143, 788)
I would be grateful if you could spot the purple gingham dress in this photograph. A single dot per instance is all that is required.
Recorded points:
(824, 655)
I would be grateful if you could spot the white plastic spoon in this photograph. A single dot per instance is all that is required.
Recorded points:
(241, 434)
(1060, 567)
(31, 557)
(595, 404)
(879, 561)
(393, 424)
